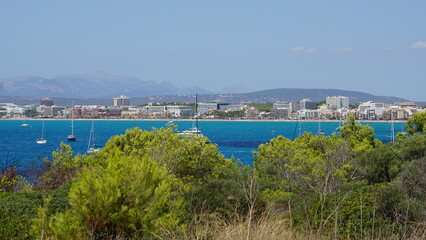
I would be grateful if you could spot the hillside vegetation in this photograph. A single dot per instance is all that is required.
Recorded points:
(159, 185)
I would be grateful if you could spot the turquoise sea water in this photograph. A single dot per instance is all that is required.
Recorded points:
(234, 138)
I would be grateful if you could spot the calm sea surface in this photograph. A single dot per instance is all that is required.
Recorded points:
(234, 138)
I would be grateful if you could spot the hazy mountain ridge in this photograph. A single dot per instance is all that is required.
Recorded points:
(317, 95)
(99, 87)
(93, 85)
(272, 95)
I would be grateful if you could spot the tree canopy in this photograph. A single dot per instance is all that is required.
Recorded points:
(191, 159)
(417, 124)
(130, 197)
(161, 185)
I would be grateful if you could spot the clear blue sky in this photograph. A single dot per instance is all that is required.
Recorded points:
(373, 46)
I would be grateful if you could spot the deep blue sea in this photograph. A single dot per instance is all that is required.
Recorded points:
(234, 138)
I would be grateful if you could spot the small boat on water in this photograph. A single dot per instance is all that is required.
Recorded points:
(42, 140)
(320, 131)
(24, 124)
(194, 131)
(93, 149)
(91, 146)
(72, 137)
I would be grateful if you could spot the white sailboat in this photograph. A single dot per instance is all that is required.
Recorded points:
(194, 131)
(91, 147)
(320, 131)
(42, 140)
(392, 128)
(71, 137)
(24, 124)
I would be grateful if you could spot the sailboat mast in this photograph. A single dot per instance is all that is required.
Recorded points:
(319, 124)
(320, 131)
(42, 129)
(91, 137)
(93, 127)
(72, 119)
(196, 111)
(392, 128)
(297, 128)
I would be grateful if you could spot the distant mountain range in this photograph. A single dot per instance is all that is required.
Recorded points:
(273, 95)
(100, 87)
(94, 85)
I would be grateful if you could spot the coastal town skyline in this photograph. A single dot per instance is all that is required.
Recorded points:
(331, 108)
(376, 47)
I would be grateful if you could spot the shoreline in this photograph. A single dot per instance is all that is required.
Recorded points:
(201, 120)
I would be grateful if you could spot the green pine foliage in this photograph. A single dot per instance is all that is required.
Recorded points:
(161, 185)
(131, 197)
(348, 185)
(309, 163)
(223, 197)
(417, 124)
(361, 137)
(16, 212)
(386, 162)
(191, 159)
(18, 209)
(60, 169)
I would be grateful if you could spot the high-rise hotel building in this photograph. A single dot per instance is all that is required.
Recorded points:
(122, 101)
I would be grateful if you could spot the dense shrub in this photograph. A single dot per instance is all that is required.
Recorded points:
(18, 209)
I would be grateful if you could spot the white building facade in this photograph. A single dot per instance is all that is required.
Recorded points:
(371, 110)
(203, 108)
(179, 111)
(122, 101)
(337, 102)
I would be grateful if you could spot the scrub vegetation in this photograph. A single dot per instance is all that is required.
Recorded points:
(159, 185)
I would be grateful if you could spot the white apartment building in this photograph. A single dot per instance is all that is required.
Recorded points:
(122, 101)
(293, 106)
(309, 114)
(371, 110)
(15, 110)
(231, 107)
(151, 108)
(50, 111)
(205, 107)
(179, 111)
(280, 113)
(337, 102)
(281, 105)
